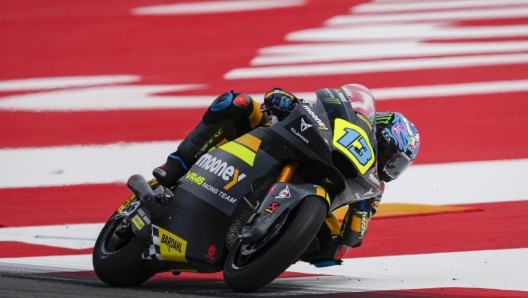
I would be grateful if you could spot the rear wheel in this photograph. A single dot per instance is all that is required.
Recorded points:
(117, 255)
(250, 266)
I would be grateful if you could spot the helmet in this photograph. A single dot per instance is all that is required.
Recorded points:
(398, 144)
(279, 102)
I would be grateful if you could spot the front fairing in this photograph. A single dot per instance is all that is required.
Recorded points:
(338, 132)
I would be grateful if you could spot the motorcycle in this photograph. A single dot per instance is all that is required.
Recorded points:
(249, 207)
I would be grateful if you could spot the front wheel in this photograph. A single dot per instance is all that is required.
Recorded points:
(117, 254)
(250, 266)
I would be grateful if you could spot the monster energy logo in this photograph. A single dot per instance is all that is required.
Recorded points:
(383, 119)
(332, 100)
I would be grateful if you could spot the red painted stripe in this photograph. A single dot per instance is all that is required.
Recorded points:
(497, 226)
(11, 249)
(33, 129)
(60, 205)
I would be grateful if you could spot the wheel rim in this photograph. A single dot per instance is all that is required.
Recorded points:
(118, 236)
(247, 253)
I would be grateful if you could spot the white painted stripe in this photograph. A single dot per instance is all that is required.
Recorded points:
(139, 97)
(64, 82)
(71, 263)
(331, 52)
(384, 7)
(72, 236)
(460, 183)
(374, 66)
(430, 31)
(450, 90)
(469, 14)
(215, 7)
(72, 165)
(434, 184)
(128, 97)
(488, 269)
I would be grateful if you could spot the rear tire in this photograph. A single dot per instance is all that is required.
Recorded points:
(271, 260)
(117, 260)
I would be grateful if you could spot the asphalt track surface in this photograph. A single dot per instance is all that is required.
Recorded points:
(92, 92)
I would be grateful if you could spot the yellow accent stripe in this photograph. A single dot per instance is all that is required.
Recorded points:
(356, 223)
(249, 141)
(256, 115)
(334, 225)
(222, 142)
(126, 202)
(322, 193)
(407, 209)
(233, 182)
(240, 151)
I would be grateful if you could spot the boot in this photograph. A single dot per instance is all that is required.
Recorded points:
(169, 173)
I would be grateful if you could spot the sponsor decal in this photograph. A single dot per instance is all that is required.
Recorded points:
(353, 141)
(272, 189)
(219, 193)
(172, 247)
(347, 92)
(294, 131)
(221, 169)
(227, 197)
(241, 100)
(368, 193)
(374, 180)
(341, 253)
(195, 178)
(332, 101)
(285, 193)
(304, 125)
(272, 207)
(360, 223)
(383, 118)
(357, 196)
(209, 142)
(136, 220)
(364, 224)
(365, 120)
(412, 144)
(211, 252)
(126, 202)
(143, 215)
(328, 92)
(315, 117)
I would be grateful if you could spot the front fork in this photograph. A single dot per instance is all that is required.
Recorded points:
(282, 197)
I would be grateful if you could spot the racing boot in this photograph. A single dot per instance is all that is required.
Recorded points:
(170, 172)
(326, 249)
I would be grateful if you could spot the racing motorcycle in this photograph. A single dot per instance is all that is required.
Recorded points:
(251, 206)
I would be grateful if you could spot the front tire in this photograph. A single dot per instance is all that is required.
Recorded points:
(246, 274)
(117, 255)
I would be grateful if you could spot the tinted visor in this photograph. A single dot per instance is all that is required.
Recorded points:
(392, 162)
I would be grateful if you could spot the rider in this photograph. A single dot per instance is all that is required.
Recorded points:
(234, 114)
